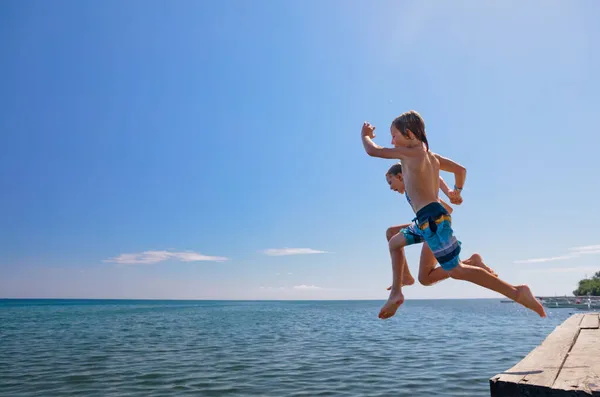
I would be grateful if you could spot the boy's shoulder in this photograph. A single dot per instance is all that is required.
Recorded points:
(426, 154)
(435, 157)
(417, 158)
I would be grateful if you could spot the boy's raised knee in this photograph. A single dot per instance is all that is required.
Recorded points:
(396, 244)
(390, 232)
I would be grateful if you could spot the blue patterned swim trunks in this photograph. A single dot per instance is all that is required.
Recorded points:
(435, 226)
(412, 234)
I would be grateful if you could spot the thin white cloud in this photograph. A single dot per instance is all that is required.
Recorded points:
(197, 257)
(302, 287)
(306, 287)
(589, 252)
(577, 269)
(586, 248)
(149, 257)
(575, 253)
(292, 251)
(550, 259)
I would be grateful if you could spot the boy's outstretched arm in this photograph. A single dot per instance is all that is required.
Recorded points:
(368, 133)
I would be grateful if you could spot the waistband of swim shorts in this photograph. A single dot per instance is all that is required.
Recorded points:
(431, 210)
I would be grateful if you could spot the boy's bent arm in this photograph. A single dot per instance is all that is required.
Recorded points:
(460, 172)
(444, 186)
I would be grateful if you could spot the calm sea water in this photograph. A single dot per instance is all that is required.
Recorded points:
(226, 348)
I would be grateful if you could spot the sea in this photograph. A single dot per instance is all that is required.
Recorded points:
(261, 348)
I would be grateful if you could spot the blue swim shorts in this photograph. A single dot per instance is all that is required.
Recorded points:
(435, 225)
(412, 234)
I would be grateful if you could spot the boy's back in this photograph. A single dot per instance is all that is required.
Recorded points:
(421, 174)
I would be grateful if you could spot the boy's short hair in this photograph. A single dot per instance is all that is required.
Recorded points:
(395, 169)
(414, 122)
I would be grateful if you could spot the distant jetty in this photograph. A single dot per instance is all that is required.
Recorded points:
(567, 363)
(571, 302)
(574, 302)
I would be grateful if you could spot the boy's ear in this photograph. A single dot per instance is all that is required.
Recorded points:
(410, 134)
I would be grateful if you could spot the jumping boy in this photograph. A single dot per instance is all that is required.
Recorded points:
(429, 274)
(434, 223)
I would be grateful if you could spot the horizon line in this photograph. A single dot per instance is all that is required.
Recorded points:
(261, 300)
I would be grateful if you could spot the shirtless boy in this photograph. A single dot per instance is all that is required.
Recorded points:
(429, 274)
(421, 169)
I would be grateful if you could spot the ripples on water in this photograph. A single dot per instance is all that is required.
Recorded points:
(196, 348)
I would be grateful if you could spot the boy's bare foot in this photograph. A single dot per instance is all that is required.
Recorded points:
(526, 298)
(477, 261)
(391, 306)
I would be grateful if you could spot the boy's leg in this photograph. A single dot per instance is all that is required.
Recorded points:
(437, 231)
(429, 274)
(396, 298)
(520, 293)
(407, 278)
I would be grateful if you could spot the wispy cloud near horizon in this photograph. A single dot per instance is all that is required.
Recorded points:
(549, 259)
(306, 287)
(588, 249)
(575, 253)
(149, 257)
(576, 269)
(301, 287)
(292, 251)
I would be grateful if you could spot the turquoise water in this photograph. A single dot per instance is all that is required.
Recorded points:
(227, 348)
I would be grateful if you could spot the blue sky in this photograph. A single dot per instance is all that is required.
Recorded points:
(217, 136)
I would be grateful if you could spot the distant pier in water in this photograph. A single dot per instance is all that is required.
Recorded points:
(572, 302)
(567, 363)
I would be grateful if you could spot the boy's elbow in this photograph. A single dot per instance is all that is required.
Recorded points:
(371, 151)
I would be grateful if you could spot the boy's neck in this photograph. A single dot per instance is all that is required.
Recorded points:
(415, 145)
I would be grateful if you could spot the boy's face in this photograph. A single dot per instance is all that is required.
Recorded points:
(398, 139)
(396, 182)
